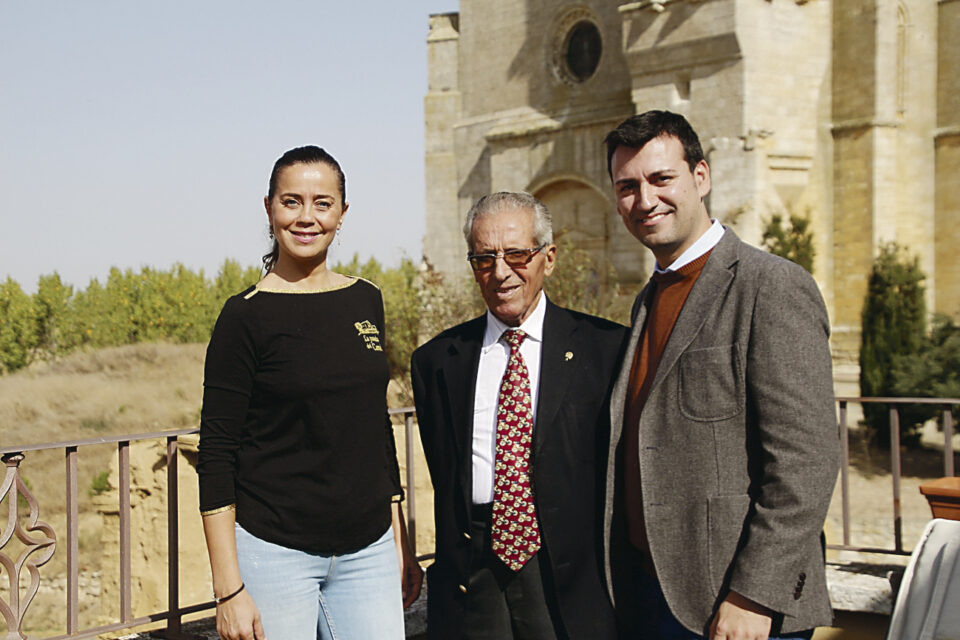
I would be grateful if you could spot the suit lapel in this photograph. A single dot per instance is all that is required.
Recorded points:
(555, 372)
(459, 378)
(707, 292)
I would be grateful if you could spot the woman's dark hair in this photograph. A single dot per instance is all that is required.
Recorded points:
(310, 154)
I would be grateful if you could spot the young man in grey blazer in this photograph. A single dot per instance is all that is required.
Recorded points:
(724, 444)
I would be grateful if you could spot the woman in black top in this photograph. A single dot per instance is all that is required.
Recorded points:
(299, 483)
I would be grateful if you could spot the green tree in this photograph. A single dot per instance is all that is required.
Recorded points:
(232, 279)
(793, 242)
(86, 321)
(50, 305)
(893, 327)
(402, 313)
(18, 328)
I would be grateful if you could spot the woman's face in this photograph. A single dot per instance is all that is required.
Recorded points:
(305, 211)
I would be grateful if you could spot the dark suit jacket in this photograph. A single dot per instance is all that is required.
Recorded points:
(578, 361)
(739, 445)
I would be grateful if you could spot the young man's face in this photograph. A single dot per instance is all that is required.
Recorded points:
(659, 198)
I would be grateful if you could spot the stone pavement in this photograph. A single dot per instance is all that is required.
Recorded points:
(855, 585)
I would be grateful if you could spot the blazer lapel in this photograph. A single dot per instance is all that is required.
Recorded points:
(555, 373)
(618, 396)
(707, 292)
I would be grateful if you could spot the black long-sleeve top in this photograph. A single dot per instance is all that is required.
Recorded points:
(294, 428)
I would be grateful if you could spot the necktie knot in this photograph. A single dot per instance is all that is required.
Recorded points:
(514, 338)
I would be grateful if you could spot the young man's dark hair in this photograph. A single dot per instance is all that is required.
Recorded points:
(636, 131)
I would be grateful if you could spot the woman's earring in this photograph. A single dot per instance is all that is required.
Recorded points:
(339, 235)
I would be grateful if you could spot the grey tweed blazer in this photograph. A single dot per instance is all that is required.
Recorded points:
(739, 445)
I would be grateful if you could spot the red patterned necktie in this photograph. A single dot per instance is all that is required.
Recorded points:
(515, 536)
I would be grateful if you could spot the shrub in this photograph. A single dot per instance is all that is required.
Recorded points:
(99, 484)
(795, 243)
(893, 326)
(583, 283)
(445, 301)
(934, 370)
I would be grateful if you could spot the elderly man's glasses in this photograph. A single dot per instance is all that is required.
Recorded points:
(513, 258)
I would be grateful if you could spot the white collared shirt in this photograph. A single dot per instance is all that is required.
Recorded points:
(494, 354)
(704, 243)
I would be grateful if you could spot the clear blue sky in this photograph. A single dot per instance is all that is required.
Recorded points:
(142, 133)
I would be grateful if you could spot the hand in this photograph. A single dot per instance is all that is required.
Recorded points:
(740, 618)
(239, 619)
(411, 575)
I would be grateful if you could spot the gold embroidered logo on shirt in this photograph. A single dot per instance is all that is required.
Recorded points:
(370, 334)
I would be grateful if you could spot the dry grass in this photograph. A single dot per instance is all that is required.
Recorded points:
(130, 389)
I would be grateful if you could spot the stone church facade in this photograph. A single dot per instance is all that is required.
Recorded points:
(847, 111)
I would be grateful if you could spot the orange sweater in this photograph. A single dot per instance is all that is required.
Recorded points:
(669, 294)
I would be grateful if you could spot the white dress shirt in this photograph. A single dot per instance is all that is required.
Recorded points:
(704, 243)
(494, 354)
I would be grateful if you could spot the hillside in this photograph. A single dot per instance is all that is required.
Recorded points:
(130, 389)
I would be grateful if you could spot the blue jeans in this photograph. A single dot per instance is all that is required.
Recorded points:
(306, 596)
(657, 621)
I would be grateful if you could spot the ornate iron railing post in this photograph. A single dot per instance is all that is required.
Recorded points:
(12, 488)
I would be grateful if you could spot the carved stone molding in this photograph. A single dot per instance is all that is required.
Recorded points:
(564, 30)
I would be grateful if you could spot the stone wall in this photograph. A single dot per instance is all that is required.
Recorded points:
(845, 111)
(148, 532)
(947, 150)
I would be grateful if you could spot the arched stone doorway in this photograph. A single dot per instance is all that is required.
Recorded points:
(579, 215)
(588, 218)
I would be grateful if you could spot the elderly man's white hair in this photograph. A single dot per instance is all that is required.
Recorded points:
(508, 200)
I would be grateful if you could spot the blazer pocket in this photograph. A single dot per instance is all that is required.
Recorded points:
(726, 519)
(711, 383)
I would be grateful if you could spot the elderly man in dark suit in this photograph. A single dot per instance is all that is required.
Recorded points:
(724, 447)
(513, 419)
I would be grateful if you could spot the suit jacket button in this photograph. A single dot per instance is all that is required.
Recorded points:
(467, 535)
(797, 592)
(463, 588)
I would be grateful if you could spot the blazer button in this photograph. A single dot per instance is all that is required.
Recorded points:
(463, 588)
(467, 536)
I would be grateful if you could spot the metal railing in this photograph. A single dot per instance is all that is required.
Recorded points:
(39, 538)
(895, 471)
(410, 511)
(13, 487)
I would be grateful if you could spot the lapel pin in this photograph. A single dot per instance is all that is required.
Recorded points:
(568, 356)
